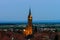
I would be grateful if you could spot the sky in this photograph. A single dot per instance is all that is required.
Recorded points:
(18, 10)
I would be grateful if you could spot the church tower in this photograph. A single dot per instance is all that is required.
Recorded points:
(28, 29)
(29, 19)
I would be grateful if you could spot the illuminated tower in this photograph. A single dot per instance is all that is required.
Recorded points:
(28, 29)
(29, 19)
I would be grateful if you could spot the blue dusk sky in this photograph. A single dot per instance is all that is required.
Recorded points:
(18, 10)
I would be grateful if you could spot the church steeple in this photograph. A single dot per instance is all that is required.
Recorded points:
(29, 11)
(28, 30)
(30, 18)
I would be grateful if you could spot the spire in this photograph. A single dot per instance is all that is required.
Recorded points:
(29, 11)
